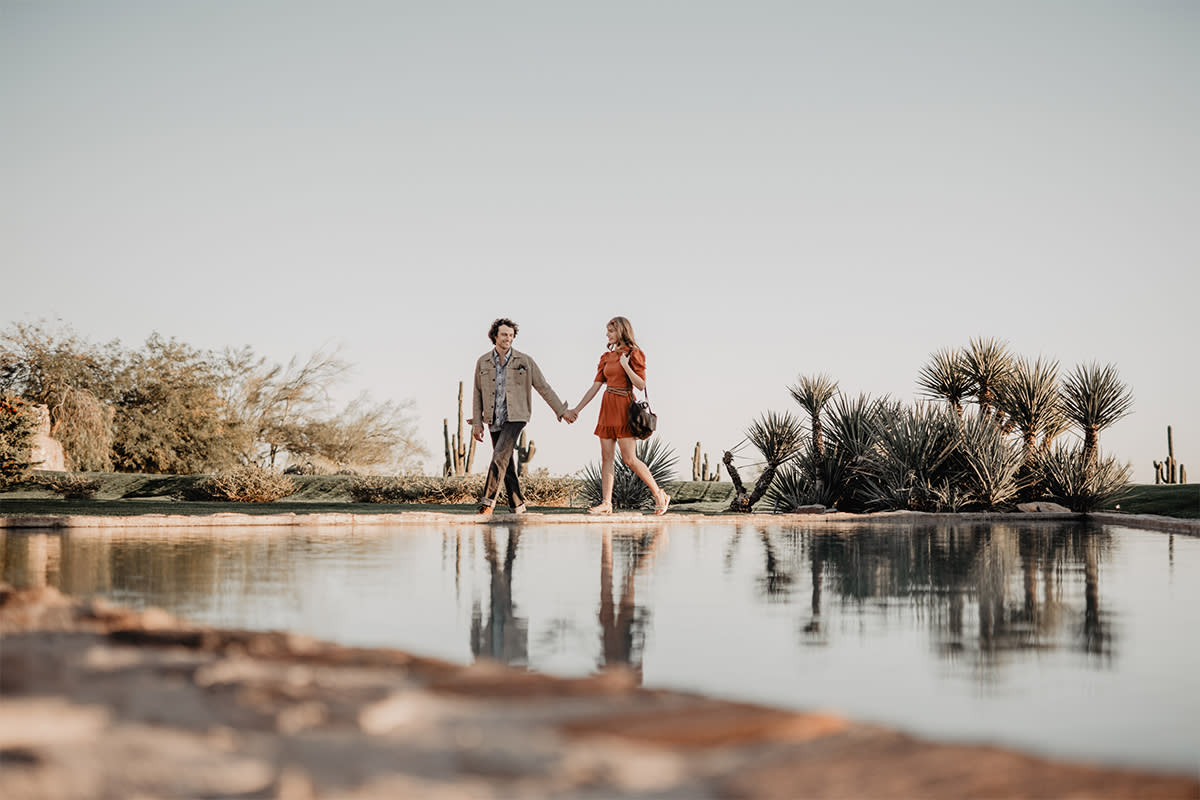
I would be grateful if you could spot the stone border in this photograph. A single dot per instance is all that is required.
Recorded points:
(1187, 527)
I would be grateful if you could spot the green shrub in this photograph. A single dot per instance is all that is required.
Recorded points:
(75, 487)
(539, 489)
(247, 484)
(17, 429)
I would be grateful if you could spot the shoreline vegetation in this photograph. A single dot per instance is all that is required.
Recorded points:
(128, 494)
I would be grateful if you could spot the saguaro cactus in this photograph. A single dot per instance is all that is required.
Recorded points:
(700, 470)
(524, 453)
(459, 456)
(1169, 471)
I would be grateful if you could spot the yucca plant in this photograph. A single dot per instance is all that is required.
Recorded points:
(1093, 398)
(778, 438)
(628, 489)
(988, 364)
(1082, 481)
(812, 392)
(945, 378)
(1029, 399)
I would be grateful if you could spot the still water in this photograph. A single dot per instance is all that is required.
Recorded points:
(1057, 638)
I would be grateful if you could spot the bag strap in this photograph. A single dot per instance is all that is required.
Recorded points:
(633, 388)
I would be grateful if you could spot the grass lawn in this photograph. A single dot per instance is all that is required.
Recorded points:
(1165, 500)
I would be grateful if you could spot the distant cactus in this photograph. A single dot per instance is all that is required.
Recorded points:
(1170, 471)
(700, 470)
(524, 453)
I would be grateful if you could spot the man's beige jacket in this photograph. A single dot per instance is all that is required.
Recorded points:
(521, 375)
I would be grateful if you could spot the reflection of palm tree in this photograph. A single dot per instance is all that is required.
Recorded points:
(622, 625)
(775, 582)
(505, 636)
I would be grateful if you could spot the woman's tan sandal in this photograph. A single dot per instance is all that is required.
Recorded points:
(661, 508)
(603, 508)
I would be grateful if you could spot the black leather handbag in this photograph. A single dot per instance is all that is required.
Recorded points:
(642, 421)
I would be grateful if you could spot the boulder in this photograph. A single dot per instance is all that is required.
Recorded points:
(1043, 507)
(46, 452)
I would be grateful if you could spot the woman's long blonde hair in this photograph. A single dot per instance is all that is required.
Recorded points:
(624, 330)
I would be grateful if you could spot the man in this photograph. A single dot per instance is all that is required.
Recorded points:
(501, 400)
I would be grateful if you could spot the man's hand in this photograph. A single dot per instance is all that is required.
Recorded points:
(477, 432)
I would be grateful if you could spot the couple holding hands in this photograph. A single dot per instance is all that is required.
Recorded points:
(501, 401)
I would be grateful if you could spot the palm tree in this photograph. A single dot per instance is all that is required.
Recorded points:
(1029, 398)
(1093, 398)
(988, 364)
(812, 392)
(945, 377)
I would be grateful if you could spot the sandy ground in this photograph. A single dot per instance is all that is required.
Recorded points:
(103, 702)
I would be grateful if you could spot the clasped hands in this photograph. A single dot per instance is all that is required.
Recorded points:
(570, 415)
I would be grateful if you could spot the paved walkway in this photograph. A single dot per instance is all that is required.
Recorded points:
(104, 702)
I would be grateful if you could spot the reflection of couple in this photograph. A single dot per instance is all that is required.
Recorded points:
(501, 400)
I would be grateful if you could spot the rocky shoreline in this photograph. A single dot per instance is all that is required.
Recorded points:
(104, 702)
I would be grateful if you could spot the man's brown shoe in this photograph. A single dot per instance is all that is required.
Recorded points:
(484, 511)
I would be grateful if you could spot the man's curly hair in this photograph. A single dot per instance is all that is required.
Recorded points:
(495, 329)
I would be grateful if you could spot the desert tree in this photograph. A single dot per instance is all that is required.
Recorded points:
(169, 414)
(366, 434)
(1094, 398)
(274, 402)
(73, 378)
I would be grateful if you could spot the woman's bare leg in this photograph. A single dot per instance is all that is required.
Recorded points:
(629, 456)
(608, 449)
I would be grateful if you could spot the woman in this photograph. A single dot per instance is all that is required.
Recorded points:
(622, 367)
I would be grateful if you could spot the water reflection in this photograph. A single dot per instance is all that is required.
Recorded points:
(504, 636)
(967, 628)
(982, 590)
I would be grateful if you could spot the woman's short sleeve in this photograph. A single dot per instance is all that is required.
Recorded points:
(600, 370)
(637, 360)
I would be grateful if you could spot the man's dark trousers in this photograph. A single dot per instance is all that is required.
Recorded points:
(503, 442)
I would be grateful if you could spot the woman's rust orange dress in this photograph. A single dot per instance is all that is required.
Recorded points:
(614, 405)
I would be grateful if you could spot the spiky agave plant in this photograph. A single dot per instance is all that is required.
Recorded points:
(945, 377)
(989, 464)
(808, 478)
(812, 392)
(912, 461)
(853, 426)
(1080, 481)
(628, 489)
(778, 438)
(988, 364)
(1093, 398)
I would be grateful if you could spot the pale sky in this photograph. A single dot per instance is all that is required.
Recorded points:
(764, 188)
